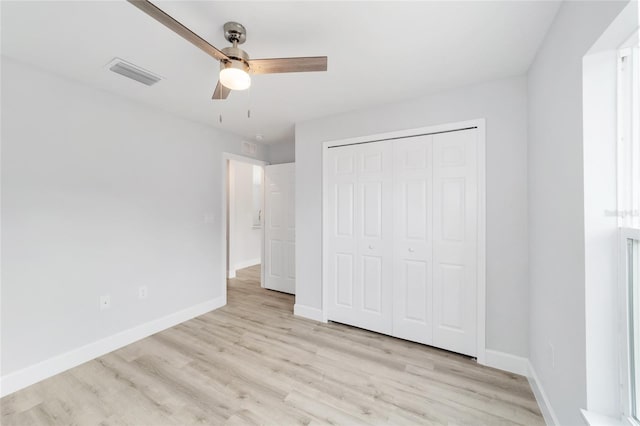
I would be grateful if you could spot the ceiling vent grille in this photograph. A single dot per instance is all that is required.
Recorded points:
(133, 72)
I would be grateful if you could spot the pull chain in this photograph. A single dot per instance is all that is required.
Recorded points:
(249, 98)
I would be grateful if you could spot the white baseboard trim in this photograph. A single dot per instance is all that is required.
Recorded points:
(247, 263)
(541, 397)
(231, 273)
(507, 362)
(20, 379)
(308, 312)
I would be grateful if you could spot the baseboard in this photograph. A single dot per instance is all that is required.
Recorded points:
(541, 397)
(247, 263)
(307, 312)
(20, 379)
(507, 362)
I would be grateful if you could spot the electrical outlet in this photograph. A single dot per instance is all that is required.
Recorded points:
(142, 292)
(105, 302)
(552, 355)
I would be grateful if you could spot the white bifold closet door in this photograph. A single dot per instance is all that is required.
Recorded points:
(280, 228)
(413, 239)
(361, 209)
(402, 236)
(455, 241)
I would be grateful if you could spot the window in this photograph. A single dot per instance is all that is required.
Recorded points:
(629, 135)
(630, 280)
(628, 213)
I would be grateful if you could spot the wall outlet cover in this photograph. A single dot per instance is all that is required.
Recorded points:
(105, 302)
(142, 292)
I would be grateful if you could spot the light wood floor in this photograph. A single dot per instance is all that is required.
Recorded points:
(253, 362)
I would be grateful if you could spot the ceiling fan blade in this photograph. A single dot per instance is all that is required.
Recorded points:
(221, 92)
(280, 65)
(175, 26)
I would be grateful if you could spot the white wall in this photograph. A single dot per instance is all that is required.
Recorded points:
(503, 104)
(99, 196)
(283, 152)
(558, 204)
(245, 241)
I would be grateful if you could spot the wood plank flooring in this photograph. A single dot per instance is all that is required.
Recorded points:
(253, 362)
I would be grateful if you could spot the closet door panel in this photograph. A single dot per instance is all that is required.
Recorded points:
(375, 238)
(342, 269)
(413, 266)
(359, 179)
(455, 240)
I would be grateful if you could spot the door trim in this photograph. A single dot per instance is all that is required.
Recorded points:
(480, 125)
(226, 156)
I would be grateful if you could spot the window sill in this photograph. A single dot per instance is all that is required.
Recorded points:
(595, 419)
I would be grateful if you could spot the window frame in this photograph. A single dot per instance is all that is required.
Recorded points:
(626, 370)
(628, 217)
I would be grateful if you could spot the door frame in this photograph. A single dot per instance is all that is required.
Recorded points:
(481, 296)
(226, 157)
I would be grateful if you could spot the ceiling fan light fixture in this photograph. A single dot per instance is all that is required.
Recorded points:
(234, 75)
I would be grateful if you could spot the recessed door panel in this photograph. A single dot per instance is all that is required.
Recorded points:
(372, 283)
(416, 280)
(344, 164)
(344, 209)
(291, 260)
(276, 259)
(453, 209)
(416, 204)
(372, 209)
(371, 162)
(344, 279)
(274, 212)
(452, 300)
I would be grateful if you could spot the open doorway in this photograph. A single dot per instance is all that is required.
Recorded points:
(258, 248)
(244, 213)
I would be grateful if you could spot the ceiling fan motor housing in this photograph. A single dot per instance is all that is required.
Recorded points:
(239, 58)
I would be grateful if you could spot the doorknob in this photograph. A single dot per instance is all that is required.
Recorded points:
(370, 247)
(410, 250)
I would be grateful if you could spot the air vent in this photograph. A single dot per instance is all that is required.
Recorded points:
(133, 72)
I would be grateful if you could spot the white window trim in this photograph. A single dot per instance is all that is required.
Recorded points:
(625, 366)
(628, 203)
(628, 133)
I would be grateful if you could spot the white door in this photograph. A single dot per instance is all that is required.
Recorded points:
(455, 240)
(279, 256)
(413, 240)
(360, 235)
(402, 238)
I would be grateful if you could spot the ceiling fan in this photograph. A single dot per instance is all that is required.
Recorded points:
(235, 65)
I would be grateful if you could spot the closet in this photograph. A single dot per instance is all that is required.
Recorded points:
(402, 237)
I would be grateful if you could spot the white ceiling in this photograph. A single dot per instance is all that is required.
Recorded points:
(379, 52)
